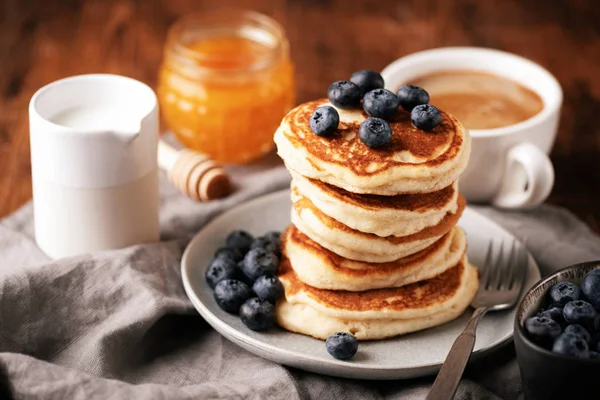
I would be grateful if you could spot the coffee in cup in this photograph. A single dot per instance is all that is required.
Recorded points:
(480, 100)
(510, 106)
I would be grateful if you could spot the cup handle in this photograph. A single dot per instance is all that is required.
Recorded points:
(527, 180)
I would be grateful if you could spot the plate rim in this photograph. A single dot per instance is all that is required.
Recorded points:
(240, 337)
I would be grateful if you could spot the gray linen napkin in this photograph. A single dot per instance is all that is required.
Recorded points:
(117, 324)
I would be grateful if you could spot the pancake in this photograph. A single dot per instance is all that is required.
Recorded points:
(361, 246)
(379, 313)
(415, 162)
(320, 268)
(399, 215)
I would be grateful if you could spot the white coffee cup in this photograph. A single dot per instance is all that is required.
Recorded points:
(509, 166)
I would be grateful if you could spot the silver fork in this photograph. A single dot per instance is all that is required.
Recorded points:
(500, 284)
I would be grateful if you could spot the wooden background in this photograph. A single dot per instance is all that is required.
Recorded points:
(44, 40)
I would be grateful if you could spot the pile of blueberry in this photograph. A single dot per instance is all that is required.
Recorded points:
(243, 275)
(244, 278)
(366, 88)
(570, 324)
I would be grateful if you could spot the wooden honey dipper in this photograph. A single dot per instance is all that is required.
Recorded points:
(193, 173)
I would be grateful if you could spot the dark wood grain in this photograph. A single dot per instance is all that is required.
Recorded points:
(43, 40)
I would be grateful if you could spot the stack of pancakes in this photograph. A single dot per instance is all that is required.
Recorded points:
(373, 248)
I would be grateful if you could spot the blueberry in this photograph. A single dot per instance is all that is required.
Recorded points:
(367, 80)
(593, 354)
(239, 240)
(268, 287)
(542, 330)
(579, 330)
(591, 288)
(580, 312)
(324, 121)
(570, 344)
(563, 292)
(259, 262)
(243, 276)
(344, 94)
(230, 252)
(274, 236)
(375, 133)
(555, 312)
(230, 294)
(425, 117)
(221, 268)
(596, 326)
(258, 314)
(380, 103)
(267, 244)
(410, 96)
(341, 345)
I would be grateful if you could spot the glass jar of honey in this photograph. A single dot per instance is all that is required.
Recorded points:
(225, 83)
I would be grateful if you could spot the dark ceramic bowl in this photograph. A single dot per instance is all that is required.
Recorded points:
(546, 375)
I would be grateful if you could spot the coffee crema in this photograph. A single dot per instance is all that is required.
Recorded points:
(480, 100)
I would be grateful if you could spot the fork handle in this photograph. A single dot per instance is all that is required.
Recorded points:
(448, 378)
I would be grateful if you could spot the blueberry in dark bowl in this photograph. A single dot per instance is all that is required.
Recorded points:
(410, 96)
(570, 344)
(239, 240)
(563, 292)
(560, 375)
(221, 268)
(344, 94)
(425, 117)
(542, 330)
(268, 287)
(324, 121)
(380, 103)
(341, 345)
(579, 330)
(375, 133)
(258, 262)
(258, 314)
(267, 244)
(230, 294)
(367, 80)
(555, 312)
(580, 312)
(231, 253)
(591, 288)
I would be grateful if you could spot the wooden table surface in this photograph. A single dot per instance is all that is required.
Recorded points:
(44, 40)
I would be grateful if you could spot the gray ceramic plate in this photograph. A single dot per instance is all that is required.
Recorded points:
(416, 354)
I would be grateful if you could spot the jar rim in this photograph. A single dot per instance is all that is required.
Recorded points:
(226, 22)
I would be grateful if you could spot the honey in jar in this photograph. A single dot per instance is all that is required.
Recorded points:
(225, 83)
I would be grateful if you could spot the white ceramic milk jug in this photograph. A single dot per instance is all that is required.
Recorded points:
(94, 165)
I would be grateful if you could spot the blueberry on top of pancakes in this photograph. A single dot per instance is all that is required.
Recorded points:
(425, 117)
(410, 96)
(380, 103)
(344, 94)
(375, 133)
(367, 80)
(324, 121)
